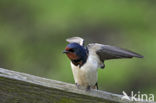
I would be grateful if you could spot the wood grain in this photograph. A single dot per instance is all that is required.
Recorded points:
(18, 87)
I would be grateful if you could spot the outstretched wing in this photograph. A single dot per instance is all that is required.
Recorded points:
(106, 52)
(78, 40)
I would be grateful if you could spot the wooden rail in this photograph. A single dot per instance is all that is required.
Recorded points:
(18, 87)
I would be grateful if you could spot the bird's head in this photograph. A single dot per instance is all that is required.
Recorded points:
(76, 53)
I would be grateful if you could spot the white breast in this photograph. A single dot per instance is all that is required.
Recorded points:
(87, 74)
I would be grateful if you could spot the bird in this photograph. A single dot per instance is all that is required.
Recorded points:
(86, 60)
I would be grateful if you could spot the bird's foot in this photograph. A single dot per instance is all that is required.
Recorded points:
(88, 88)
(77, 85)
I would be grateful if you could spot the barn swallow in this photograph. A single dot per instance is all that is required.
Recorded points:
(85, 60)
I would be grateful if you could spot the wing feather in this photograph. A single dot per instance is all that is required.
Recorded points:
(106, 52)
(78, 40)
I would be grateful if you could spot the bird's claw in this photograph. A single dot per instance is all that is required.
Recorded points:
(77, 85)
(88, 88)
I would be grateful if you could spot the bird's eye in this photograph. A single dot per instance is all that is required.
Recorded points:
(71, 50)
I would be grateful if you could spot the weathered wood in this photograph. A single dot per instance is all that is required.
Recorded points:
(18, 87)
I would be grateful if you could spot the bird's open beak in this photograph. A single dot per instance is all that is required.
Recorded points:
(65, 51)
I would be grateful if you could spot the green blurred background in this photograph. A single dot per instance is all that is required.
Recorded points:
(33, 33)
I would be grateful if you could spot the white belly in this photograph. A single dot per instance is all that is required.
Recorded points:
(87, 74)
